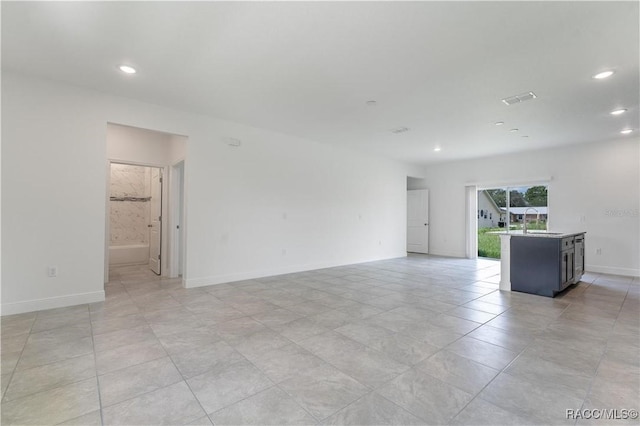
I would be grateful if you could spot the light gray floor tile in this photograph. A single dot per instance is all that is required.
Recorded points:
(425, 396)
(616, 392)
(92, 419)
(458, 371)
(172, 405)
(545, 402)
(309, 308)
(431, 334)
(485, 353)
(368, 366)
(509, 340)
(398, 346)
(50, 322)
(471, 314)
(128, 355)
(483, 413)
(53, 406)
(189, 339)
(276, 317)
(299, 329)
(286, 362)
(4, 382)
(586, 336)
(14, 343)
(373, 409)
(136, 380)
(61, 334)
(332, 319)
(38, 379)
(258, 343)
(103, 326)
(323, 390)
(213, 357)
(202, 421)
(533, 369)
(9, 360)
(269, 407)
(37, 353)
(124, 337)
(218, 389)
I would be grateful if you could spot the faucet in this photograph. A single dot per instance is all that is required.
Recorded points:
(524, 218)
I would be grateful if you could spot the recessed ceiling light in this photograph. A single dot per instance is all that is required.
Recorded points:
(499, 123)
(618, 111)
(603, 74)
(513, 130)
(399, 130)
(626, 131)
(371, 103)
(127, 69)
(437, 149)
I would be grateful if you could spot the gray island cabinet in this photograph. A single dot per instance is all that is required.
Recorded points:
(546, 264)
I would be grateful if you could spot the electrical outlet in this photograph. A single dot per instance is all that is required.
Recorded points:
(598, 251)
(284, 252)
(52, 271)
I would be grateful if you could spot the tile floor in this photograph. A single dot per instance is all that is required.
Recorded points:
(416, 340)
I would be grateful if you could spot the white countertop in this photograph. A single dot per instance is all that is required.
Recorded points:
(538, 233)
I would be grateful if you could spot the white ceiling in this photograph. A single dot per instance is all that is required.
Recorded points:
(308, 68)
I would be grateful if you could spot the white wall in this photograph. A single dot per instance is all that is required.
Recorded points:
(137, 145)
(324, 205)
(597, 182)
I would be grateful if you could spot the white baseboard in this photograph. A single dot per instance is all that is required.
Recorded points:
(627, 272)
(229, 278)
(51, 303)
(459, 254)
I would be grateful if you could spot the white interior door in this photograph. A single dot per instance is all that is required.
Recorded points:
(418, 221)
(155, 230)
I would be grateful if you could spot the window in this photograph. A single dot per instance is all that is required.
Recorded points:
(511, 203)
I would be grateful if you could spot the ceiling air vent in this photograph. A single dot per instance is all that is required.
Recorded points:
(398, 130)
(519, 98)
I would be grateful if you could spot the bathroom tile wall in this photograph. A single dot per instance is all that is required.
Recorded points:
(129, 219)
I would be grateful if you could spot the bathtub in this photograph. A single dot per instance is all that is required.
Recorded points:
(131, 254)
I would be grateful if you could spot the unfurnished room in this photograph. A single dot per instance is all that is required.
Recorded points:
(320, 213)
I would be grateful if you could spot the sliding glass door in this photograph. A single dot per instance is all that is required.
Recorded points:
(508, 208)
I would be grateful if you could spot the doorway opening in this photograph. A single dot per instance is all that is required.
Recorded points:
(417, 216)
(145, 201)
(135, 216)
(509, 208)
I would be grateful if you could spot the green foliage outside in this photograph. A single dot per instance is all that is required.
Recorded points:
(534, 196)
(489, 244)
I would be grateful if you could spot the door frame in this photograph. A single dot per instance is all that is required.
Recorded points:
(164, 246)
(177, 217)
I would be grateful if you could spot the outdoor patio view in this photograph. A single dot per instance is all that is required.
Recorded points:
(500, 209)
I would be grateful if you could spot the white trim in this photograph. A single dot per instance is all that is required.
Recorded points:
(52, 302)
(627, 272)
(176, 238)
(511, 183)
(458, 254)
(229, 278)
(472, 221)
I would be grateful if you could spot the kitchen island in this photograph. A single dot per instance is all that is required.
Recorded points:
(540, 262)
